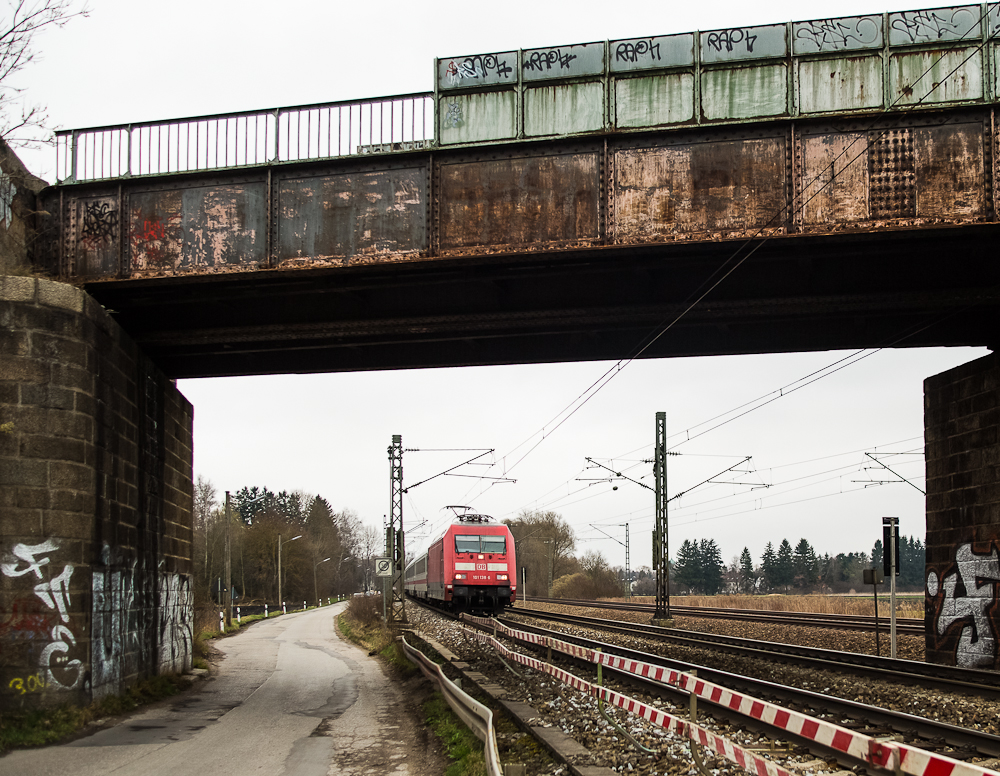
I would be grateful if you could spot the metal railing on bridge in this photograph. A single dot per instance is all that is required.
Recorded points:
(232, 140)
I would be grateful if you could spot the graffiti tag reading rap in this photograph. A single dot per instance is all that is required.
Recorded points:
(834, 34)
(968, 593)
(479, 66)
(731, 40)
(55, 595)
(548, 60)
(633, 52)
(100, 224)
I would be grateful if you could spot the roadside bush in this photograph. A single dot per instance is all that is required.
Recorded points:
(366, 610)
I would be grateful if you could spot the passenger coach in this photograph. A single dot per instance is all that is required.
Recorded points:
(470, 568)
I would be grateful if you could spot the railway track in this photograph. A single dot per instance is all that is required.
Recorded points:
(904, 625)
(983, 684)
(942, 737)
(932, 735)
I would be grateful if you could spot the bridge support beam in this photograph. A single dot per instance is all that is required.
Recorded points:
(95, 503)
(962, 576)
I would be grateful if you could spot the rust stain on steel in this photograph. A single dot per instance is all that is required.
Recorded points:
(362, 217)
(205, 229)
(951, 172)
(698, 191)
(834, 179)
(528, 203)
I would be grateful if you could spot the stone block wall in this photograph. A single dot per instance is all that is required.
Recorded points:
(95, 503)
(962, 438)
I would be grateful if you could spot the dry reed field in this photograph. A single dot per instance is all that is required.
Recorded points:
(909, 606)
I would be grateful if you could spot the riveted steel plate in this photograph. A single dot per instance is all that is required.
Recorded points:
(651, 53)
(96, 236)
(840, 84)
(648, 101)
(936, 75)
(950, 165)
(533, 202)
(744, 92)
(344, 217)
(562, 61)
(198, 229)
(683, 191)
(847, 33)
(471, 117)
(834, 180)
(741, 43)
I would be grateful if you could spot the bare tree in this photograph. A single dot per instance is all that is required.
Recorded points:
(21, 122)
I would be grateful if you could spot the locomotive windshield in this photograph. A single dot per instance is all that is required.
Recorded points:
(494, 544)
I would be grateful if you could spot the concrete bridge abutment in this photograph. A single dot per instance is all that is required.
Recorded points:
(95, 503)
(962, 453)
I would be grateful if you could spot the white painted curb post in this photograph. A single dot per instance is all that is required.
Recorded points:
(222, 623)
(238, 620)
(283, 609)
(265, 611)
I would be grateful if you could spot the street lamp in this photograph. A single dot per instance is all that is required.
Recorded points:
(280, 601)
(315, 586)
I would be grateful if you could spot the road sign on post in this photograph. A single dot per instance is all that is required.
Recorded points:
(890, 552)
(383, 567)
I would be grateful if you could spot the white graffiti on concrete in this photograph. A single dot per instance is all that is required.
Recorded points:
(112, 608)
(55, 595)
(176, 618)
(979, 575)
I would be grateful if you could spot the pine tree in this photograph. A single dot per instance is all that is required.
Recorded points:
(688, 571)
(712, 567)
(747, 577)
(785, 566)
(805, 565)
(769, 567)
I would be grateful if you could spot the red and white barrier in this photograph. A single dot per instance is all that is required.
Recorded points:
(886, 755)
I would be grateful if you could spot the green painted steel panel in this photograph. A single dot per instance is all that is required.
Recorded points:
(654, 100)
(847, 83)
(481, 116)
(744, 93)
(564, 109)
(936, 75)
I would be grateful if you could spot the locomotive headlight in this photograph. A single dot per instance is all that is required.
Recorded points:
(461, 576)
(501, 577)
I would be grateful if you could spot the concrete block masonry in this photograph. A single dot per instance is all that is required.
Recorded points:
(95, 503)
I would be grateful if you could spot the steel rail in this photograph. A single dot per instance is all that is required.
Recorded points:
(806, 619)
(966, 741)
(984, 684)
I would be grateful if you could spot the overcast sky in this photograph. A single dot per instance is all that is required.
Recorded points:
(134, 61)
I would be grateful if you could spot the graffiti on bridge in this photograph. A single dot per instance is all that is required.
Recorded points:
(963, 600)
(54, 663)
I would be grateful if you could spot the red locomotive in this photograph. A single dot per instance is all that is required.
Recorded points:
(470, 568)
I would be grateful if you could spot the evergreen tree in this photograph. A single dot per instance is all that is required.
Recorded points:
(785, 566)
(712, 567)
(769, 567)
(688, 571)
(747, 577)
(805, 565)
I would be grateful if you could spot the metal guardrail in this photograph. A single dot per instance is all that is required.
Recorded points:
(477, 717)
(233, 140)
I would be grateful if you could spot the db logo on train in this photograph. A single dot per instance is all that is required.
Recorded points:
(480, 567)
